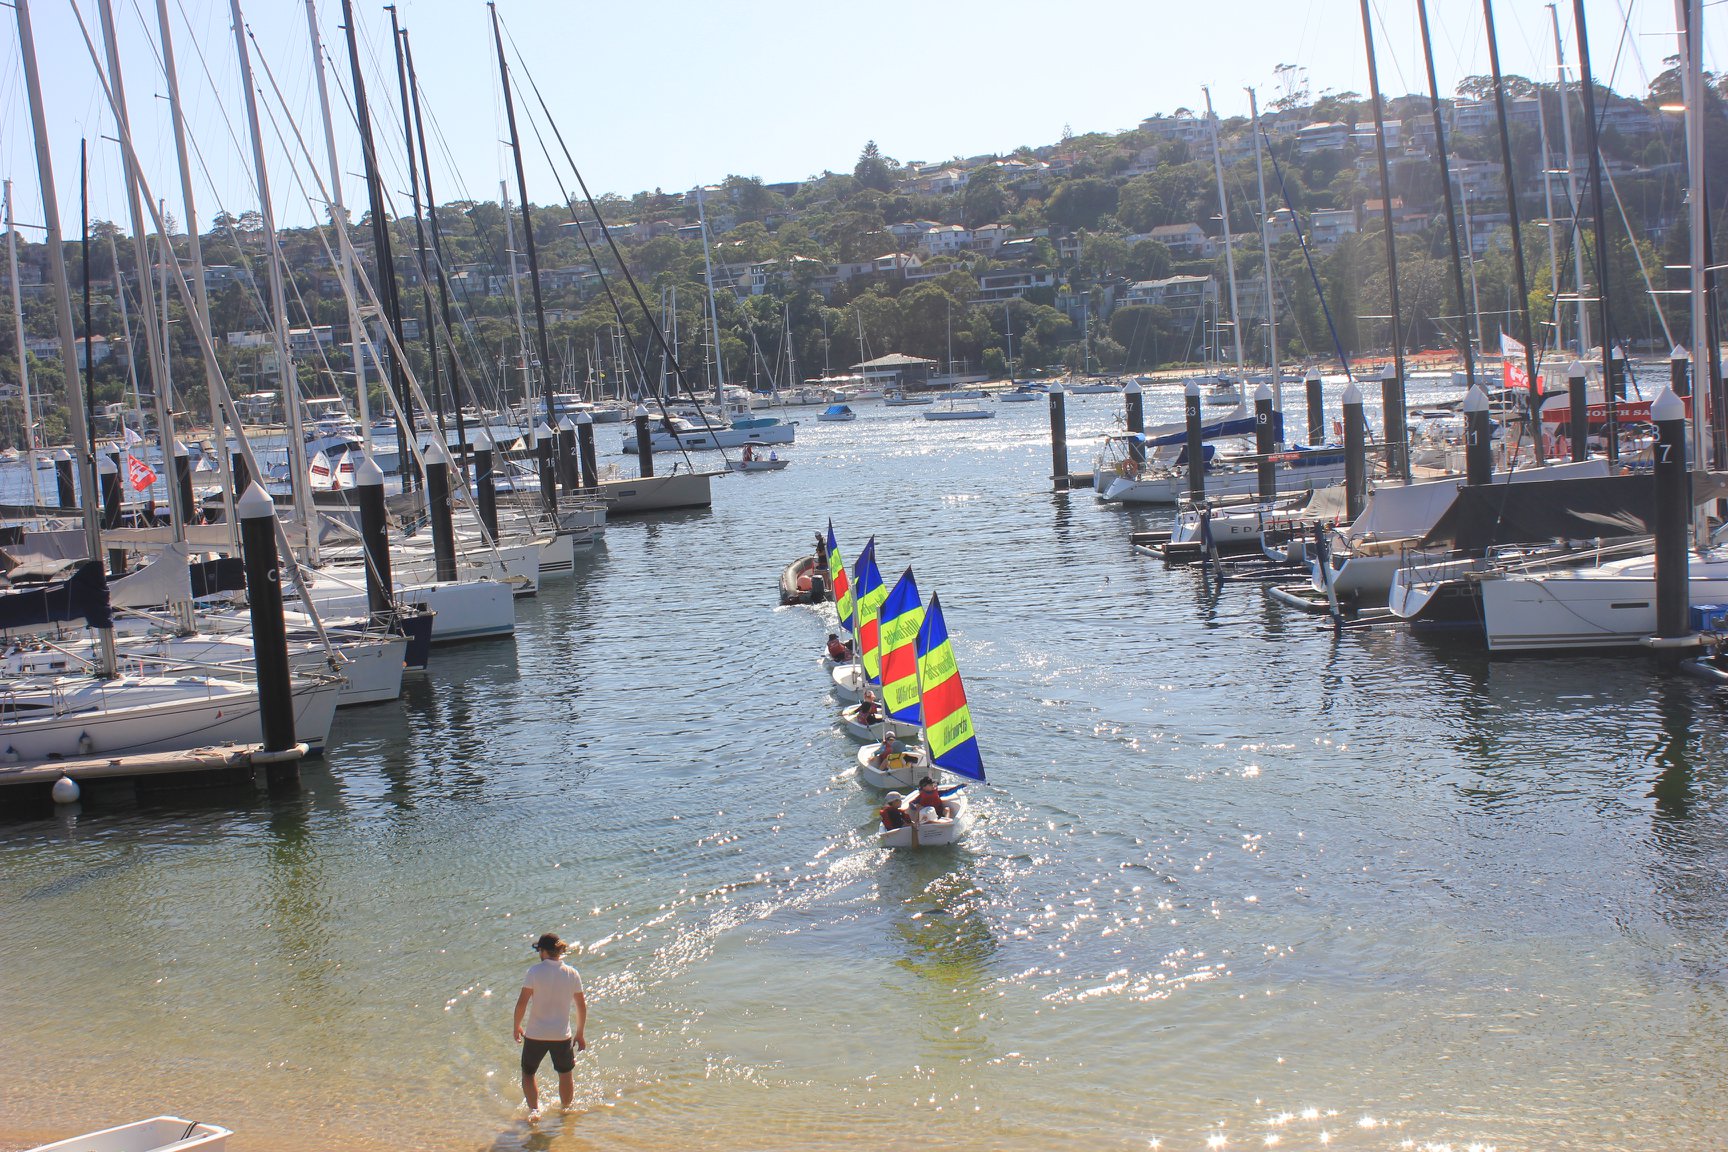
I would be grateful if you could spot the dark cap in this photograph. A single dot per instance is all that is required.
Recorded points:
(551, 943)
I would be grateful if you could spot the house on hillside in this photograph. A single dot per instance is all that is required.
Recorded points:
(1327, 136)
(896, 371)
(1187, 297)
(1186, 240)
(1014, 285)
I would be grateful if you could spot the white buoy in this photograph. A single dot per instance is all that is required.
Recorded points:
(66, 790)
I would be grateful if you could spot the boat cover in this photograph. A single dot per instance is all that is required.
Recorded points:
(1234, 424)
(1399, 512)
(82, 596)
(167, 579)
(1493, 515)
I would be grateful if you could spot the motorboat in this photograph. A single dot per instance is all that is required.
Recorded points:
(1024, 394)
(676, 434)
(770, 463)
(900, 398)
(837, 413)
(953, 413)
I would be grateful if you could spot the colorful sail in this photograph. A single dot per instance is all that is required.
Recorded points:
(838, 582)
(902, 614)
(867, 587)
(947, 721)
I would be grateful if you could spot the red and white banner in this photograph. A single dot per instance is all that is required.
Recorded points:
(141, 475)
(1512, 368)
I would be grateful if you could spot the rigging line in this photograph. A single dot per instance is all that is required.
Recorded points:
(1278, 171)
(611, 243)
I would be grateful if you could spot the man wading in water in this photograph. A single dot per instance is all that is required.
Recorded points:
(549, 991)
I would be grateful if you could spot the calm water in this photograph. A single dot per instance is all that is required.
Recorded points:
(1236, 882)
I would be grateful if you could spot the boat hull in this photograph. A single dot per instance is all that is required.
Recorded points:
(932, 833)
(902, 776)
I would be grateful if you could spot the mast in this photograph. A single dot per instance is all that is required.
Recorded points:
(1548, 209)
(23, 355)
(1692, 94)
(1446, 188)
(527, 220)
(1224, 215)
(63, 312)
(1610, 397)
(357, 337)
(1571, 188)
(455, 364)
(397, 38)
(299, 477)
(1470, 262)
(1533, 403)
(201, 291)
(1386, 221)
(516, 294)
(714, 311)
(1266, 260)
(388, 296)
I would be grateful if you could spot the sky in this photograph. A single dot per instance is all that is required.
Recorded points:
(675, 93)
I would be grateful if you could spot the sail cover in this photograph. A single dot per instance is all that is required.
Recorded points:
(1495, 515)
(82, 596)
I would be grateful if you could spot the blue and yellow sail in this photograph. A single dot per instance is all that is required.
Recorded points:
(902, 616)
(838, 582)
(867, 587)
(948, 730)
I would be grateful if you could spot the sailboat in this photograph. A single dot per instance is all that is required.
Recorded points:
(951, 744)
(851, 680)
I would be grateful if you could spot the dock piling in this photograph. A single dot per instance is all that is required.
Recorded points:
(1355, 452)
(1673, 516)
(644, 444)
(1136, 402)
(1478, 438)
(544, 440)
(374, 535)
(1580, 403)
(1059, 438)
(183, 482)
(257, 513)
(585, 440)
(64, 490)
(1264, 442)
(439, 510)
(569, 474)
(1196, 443)
(1316, 407)
(485, 484)
(1395, 428)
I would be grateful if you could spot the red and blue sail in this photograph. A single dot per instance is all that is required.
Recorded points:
(948, 730)
(902, 616)
(838, 582)
(867, 587)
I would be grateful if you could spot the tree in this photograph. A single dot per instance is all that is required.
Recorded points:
(873, 170)
(1079, 203)
(984, 198)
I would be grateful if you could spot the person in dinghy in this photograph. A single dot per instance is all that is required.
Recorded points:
(869, 711)
(893, 812)
(930, 799)
(889, 756)
(839, 650)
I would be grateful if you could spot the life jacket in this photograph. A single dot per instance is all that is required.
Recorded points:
(893, 818)
(930, 798)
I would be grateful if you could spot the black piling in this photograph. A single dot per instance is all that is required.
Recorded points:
(1136, 402)
(1395, 429)
(1613, 392)
(374, 535)
(1265, 441)
(545, 440)
(257, 514)
(1316, 408)
(64, 491)
(485, 484)
(585, 441)
(240, 472)
(569, 474)
(1577, 395)
(108, 476)
(1679, 372)
(1673, 515)
(1478, 438)
(183, 482)
(1059, 437)
(644, 445)
(1355, 452)
(1196, 443)
(438, 508)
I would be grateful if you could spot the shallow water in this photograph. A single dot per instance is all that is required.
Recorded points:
(1234, 879)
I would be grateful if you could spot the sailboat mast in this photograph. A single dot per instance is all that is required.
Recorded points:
(1571, 188)
(1519, 274)
(527, 222)
(389, 298)
(153, 332)
(713, 309)
(516, 295)
(23, 355)
(1470, 262)
(1610, 395)
(339, 219)
(1266, 260)
(299, 477)
(1224, 215)
(1386, 221)
(397, 39)
(63, 310)
(1692, 94)
(1446, 190)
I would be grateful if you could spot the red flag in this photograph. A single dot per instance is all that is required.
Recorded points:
(139, 473)
(1512, 367)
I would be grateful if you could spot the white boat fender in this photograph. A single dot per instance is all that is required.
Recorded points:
(66, 791)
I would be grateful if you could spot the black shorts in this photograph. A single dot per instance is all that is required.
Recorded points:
(563, 1053)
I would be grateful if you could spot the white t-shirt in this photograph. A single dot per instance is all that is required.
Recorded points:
(555, 986)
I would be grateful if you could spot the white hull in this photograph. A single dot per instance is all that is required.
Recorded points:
(848, 683)
(1612, 606)
(156, 1135)
(1171, 487)
(371, 669)
(628, 496)
(932, 833)
(758, 465)
(83, 717)
(702, 439)
(959, 414)
(873, 733)
(464, 610)
(903, 778)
